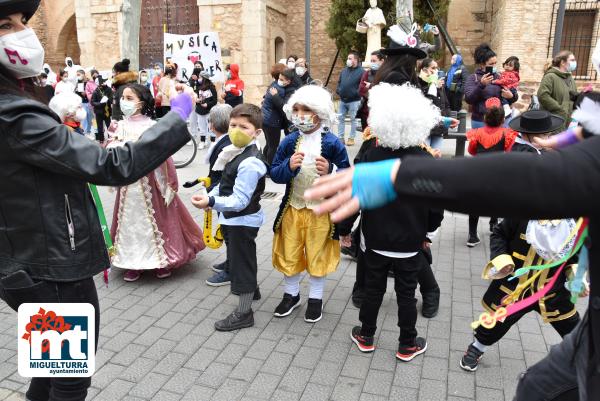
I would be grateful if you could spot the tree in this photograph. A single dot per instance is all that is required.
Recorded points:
(343, 15)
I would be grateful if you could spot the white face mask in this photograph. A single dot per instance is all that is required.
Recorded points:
(349, 63)
(300, 71)
(22, 53)
(291, 64)
(128, 107)
(281, 83)
(80, 115)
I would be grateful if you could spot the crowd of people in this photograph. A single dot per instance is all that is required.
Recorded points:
(403, 102)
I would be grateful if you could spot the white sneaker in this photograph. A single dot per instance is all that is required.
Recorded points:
(201, 145)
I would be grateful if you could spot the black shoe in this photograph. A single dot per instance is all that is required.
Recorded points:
(256, 296)
(407, 353)
(314, 310)
(219, 267)
(473, 241)
(471, 358)
(364, 343)
(431, 303)
(235, 321)
(287, 305)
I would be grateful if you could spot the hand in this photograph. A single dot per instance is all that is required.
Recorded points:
(227, 88)
(338, 189)
(222, 96)
(454, 122)
(507, 94)
(198, 100)
(367, 85)
(322, 165)
(436, 153)
(426, 245)
(273, 91)
(588, 88)
(113, 126)
(296, 160)
(440, 82)
(346, 241)
(435, 30)
(200, 201)
(487, 79)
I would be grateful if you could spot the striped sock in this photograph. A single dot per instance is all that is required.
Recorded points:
(245, 305)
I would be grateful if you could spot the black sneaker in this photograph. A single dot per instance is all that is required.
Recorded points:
(287, 305)
(364, 343)
(257, 296)
(235, 321)
(407, 353)
(219, 267)
(431, 303)
(314, 310)
(473, 241)
(471, 358)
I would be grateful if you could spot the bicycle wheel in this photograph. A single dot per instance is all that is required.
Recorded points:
(186, 154)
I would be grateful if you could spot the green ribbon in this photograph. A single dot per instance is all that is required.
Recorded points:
(102, 217)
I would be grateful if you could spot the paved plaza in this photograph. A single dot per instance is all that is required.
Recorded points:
(157, 340)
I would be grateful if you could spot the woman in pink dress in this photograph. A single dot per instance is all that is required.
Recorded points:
(152, 229)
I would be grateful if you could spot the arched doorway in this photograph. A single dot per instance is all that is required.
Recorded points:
(68, 45)
(279, 49)
(181, 17)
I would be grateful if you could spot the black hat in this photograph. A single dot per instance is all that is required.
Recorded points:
(536, 122)
(402, 42)
(27, 7)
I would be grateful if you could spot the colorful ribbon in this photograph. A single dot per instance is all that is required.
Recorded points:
(105, 231)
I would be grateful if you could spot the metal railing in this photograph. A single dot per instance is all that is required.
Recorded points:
(580, 33)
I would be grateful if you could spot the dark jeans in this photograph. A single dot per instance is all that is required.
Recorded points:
(272, 138)
(455, 99)
(83, 291)
(474, 221)
(562, 373)
(241, 257)
(493, 335)
(101, 121)
(406, 273)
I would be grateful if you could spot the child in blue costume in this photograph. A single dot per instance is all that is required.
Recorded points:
(303, 240)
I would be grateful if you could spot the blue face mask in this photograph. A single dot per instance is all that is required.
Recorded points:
(374, 66)
(572, 66)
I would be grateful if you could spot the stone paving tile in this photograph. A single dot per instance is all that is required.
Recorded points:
(157, 338)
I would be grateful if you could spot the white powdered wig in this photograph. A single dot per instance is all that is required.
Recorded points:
(316, 99)
(65, 104)
(400, 116)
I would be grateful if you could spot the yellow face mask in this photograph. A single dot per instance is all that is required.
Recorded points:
(239, 138)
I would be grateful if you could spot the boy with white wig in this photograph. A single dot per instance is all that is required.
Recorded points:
(303, 240)
(393, 236)
(69, 108)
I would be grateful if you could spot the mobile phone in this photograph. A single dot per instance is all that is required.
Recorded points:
(441, 74)
(428, 27)
(489, 69)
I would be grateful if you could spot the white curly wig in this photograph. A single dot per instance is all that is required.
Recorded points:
(65, 104)
(315, 98)
(400, 116)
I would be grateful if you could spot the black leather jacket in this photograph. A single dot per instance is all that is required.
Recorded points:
(44, 171)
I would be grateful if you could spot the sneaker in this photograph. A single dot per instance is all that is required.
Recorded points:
(257, 295)
(473, 241)
(132, 275)
(471, 358)
(350, 142)
(219, 267)
(314, 310)
(431, 303)
(235, 321)
(201, 145)
(364, 343)
(219, 279)
(163, 273)
(408, 353)
(287, 305)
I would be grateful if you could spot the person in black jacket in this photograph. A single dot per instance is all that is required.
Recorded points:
(206, 93)
(396, 235)
(45, 169)
(433, 88)
(347, 90)
(102, 100)
(463, 185)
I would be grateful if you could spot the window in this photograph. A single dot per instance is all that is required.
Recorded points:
(577, 35)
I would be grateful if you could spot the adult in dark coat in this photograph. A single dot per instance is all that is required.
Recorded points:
(456, 80)
(554, 185)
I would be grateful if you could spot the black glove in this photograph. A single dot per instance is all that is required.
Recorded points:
(190, 184)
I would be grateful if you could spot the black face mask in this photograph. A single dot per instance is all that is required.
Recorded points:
(47, 70)
(197, 72)
(70, 63)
